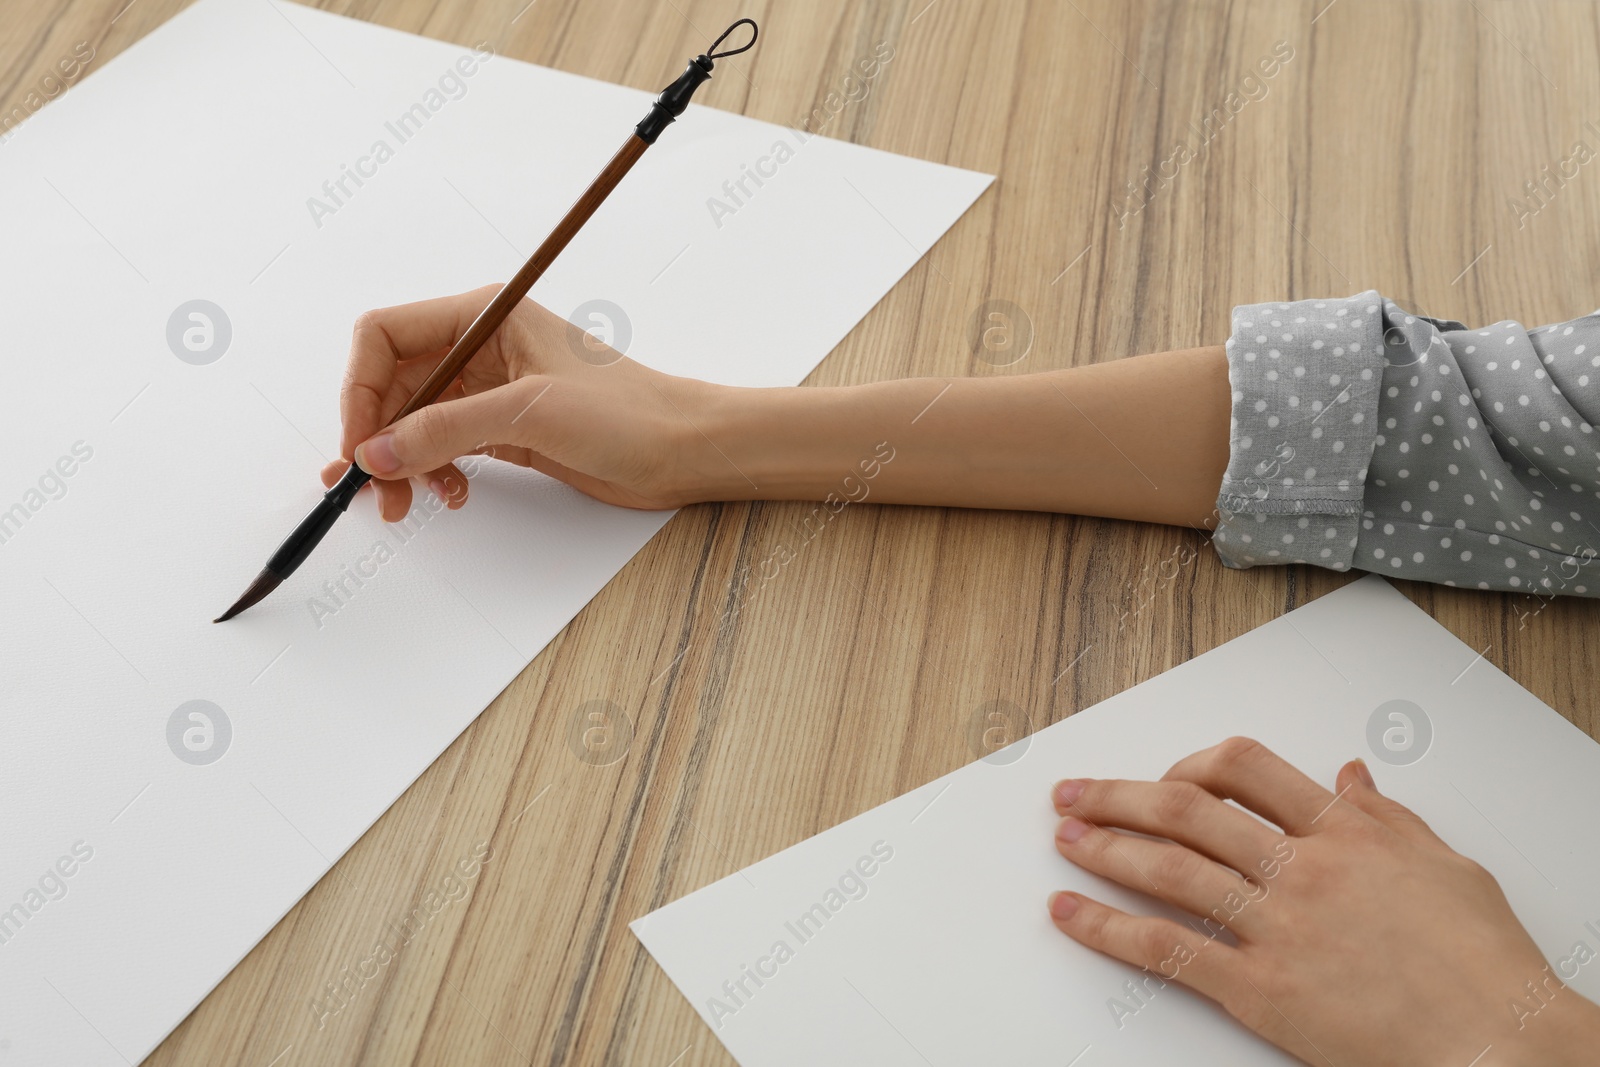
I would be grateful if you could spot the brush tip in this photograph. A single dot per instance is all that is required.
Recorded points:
(265, 583)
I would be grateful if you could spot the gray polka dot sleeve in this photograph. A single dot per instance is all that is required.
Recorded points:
(1366, 437)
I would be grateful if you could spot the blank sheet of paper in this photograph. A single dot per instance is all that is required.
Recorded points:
(189, 235)
(916, 933)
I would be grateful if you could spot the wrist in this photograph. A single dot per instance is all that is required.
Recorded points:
(796, 443)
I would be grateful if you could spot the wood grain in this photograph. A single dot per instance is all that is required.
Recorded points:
(1384, 154)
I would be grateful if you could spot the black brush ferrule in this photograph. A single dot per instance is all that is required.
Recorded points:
(315, 526)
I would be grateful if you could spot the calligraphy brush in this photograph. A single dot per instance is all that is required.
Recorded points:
(667, 107)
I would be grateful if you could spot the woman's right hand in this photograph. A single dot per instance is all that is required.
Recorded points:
(540, 393)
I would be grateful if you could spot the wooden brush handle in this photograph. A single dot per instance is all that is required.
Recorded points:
(490, 318)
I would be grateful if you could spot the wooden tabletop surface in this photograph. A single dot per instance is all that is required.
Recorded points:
(1390, 151)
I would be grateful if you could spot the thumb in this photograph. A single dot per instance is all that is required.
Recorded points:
(1355, 784)
(432, 436)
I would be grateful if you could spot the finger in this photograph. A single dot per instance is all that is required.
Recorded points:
(394, 499)
(1162, 869)
(395, 496)
(437, 434)
(1252, 774)
(408, 377)
(1181, 811)
(1355, 785)
(385, 337)
(1170, 952)
(332, 472)
(449, 485)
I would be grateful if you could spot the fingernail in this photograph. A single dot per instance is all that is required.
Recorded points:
(1063, 906)
(1364, 773)
(437, 485)
(377, 455)
(1069, 791)
(1071, 830)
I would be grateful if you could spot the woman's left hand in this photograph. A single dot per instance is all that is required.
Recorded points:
(1357, 935)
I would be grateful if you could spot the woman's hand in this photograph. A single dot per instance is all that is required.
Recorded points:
(1355, 935)
(541, 393)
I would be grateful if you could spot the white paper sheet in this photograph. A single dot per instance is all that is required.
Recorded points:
(944, 954)
(151, 487)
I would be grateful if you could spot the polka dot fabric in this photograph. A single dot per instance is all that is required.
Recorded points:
(1366, 437)
(1306, 380)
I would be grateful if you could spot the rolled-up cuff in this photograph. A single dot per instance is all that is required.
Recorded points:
(1305, 378)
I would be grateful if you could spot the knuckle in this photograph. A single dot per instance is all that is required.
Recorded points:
(1474, 871)
(1175, 866)
(1237, 752)
(1155, 945)
(367, 331)
(1400, 813)
(1091, 847)
(1177, 802)
(1093, 923)
(429, 431)
(1362, 829)
(1098, 796)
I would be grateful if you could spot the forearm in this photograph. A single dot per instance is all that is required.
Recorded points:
(1142, 438)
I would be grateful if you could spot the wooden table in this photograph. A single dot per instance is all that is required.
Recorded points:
(1386, 153)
